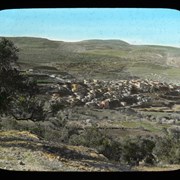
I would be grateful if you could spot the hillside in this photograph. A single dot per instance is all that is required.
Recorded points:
(101, 59)
(28, 153)
(21, 150)
(92, 105)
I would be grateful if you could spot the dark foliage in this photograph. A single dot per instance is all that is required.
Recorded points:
(12, 82)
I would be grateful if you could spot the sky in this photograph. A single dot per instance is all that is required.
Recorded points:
(133, 25)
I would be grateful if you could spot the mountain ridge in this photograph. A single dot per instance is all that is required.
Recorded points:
(89, 40)
(100, 58)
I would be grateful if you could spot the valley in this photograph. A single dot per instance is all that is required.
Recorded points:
(109, 89)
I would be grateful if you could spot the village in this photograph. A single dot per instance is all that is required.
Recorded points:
(107, 94)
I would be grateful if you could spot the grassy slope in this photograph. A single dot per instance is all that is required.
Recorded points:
(101, 58)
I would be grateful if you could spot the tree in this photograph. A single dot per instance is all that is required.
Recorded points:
(12, 82)
(8, 54)
(8, 75)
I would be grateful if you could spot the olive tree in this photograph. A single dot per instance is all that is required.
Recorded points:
(12, 83)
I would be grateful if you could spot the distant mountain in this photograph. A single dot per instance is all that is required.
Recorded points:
(101, 58)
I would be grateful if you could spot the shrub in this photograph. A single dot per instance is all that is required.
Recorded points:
(95, 138)
(26, 107)
(55, 107)
(168, 149)
(9, 124)
(137, 149)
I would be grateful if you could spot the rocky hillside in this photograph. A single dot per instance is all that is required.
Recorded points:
(23, 151)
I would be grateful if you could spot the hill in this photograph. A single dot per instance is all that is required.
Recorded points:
(101, 59)
(101, 105)
(21, 150)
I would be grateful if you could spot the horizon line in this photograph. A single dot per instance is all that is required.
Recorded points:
(102, 39)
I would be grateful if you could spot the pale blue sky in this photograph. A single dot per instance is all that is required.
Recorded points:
(136, 26)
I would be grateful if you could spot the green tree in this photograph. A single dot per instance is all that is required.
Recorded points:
(12, 82)
(8, 54)
(8, 74)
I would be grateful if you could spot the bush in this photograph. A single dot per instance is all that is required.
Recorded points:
(91, 137)
(55, 107)
(130, 151)
(112, 150)
(95, 138)
(26, 107)
(138, 149)
(168, 149)
(9, 124)
(174, 132)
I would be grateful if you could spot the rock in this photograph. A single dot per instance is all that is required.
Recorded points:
(123, 104)
(171, 121)
(163, 120)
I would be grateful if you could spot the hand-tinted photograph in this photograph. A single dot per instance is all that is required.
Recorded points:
(90, 89)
